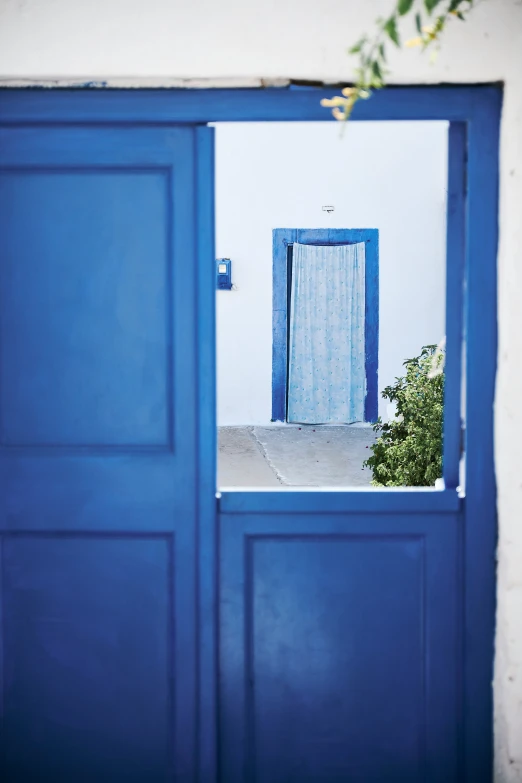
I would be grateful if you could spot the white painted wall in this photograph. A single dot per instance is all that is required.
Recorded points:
(391, 176)
(165, 41)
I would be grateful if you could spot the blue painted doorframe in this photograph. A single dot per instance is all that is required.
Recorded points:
(309, 648)
(282, 239)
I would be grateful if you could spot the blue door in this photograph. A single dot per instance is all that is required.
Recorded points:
(98, 453)
(147, 633)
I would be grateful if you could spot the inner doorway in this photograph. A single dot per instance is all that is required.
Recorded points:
(325, 332)
(280, 184)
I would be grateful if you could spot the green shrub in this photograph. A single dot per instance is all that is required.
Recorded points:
(409, 449)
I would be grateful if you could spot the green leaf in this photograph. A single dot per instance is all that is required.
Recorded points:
(391, 29)
(439, 25)
(376, 70)
(408, 449)
(418, 23)
(358, 46)
(382, 52)
(430, 5)
(403, 6)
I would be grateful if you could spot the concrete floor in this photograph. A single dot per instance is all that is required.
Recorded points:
(294, 456)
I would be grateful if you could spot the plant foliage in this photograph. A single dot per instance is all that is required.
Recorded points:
(431, 17)
(409, 449)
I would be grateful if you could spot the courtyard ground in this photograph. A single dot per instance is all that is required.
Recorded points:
(294, 456)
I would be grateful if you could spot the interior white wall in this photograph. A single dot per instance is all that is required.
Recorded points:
(386, 175)
(165, 41)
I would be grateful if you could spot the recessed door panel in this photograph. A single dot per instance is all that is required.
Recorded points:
(338, 639)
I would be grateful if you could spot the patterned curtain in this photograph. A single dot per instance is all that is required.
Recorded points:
(326, 376)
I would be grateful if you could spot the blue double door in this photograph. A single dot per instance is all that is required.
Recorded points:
(338, 617)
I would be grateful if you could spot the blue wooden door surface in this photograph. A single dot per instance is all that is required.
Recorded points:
(98, 453)
(148, 634)
(339, 638)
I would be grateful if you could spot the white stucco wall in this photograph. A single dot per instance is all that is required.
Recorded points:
(160, 41)
(391, 176)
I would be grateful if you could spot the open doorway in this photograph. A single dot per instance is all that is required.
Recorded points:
(360, 216)
(325, 325)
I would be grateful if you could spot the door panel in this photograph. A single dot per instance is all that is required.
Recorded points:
(87, 646)
(98, 372)
(338, 647)
(98, 452)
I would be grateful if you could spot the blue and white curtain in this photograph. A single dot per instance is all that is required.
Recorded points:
(326, 376)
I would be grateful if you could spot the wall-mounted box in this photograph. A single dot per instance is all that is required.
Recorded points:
(224, 274)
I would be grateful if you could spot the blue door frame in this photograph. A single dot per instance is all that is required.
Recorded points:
(282, 239)
(459, 532)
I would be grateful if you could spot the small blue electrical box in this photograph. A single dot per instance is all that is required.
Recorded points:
(224, 274)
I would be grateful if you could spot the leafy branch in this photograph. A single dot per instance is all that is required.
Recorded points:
(408, 451)
(431, 18)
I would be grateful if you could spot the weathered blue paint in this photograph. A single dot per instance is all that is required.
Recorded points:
(314, 501)
(453, 103)
(480, 532)
(106, 579)
(282, 239)
(455, 262)
(90, 85)
(206, 464)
